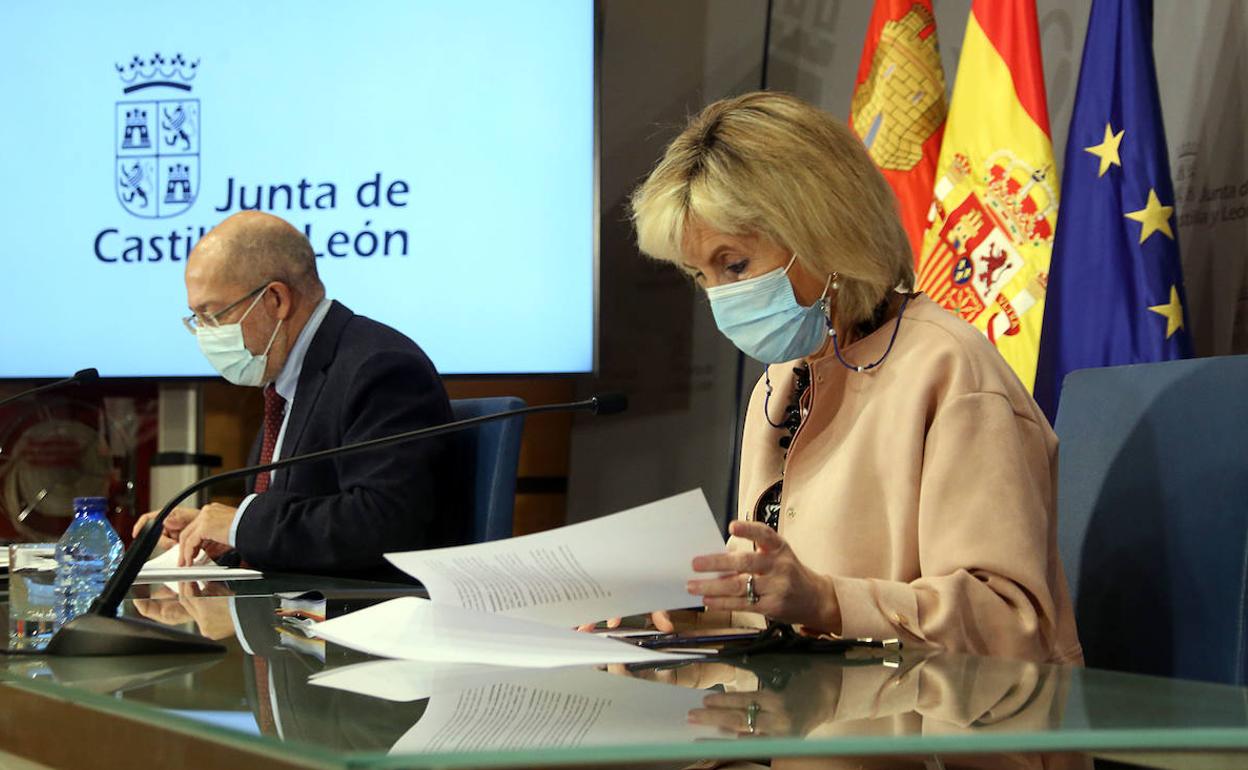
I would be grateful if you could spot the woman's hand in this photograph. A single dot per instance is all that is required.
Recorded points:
(744, 714)
(660, 620)
(784, 588)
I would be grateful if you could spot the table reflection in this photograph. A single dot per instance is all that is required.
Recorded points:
(861, 693)
(190, 602)
(275, 681)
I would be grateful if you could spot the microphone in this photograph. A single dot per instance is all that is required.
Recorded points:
(80, 377)
(609, 403)
(100, 632)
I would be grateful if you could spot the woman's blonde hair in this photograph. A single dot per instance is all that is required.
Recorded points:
(770, 164)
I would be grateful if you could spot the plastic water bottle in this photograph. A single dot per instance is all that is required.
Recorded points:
(86, 556)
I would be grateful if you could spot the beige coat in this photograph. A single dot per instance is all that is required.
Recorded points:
(926, 488)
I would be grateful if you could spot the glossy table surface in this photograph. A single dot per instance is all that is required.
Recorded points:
(282, 695)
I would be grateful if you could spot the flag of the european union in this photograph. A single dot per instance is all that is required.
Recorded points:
(1115, 292)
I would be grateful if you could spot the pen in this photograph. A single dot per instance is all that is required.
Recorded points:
(677, 640)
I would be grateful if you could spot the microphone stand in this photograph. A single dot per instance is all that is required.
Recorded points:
(80, 377)
(100, 631)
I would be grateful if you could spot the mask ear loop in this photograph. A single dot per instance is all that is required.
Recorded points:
(272, 336)
(823, 298)
(823, 304)
(252, 306)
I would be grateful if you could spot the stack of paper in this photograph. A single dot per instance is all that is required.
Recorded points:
(164, 569)
(514, 602)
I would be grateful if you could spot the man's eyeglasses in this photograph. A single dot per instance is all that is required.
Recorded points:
(195, 321)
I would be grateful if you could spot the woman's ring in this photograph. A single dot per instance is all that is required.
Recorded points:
(751, 717)
(750, 596)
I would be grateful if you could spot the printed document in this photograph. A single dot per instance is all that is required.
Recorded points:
(411, 628)
(487, 708)
(515, 602)
(628, 563)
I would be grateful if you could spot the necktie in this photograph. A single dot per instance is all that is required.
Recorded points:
(274, 412)
(265, 718)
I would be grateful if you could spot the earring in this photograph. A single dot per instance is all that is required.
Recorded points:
(836, 281)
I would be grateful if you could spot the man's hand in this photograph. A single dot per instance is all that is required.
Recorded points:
(163, 607)
(204, 606)
(208, 532)
(207, 606)
(178, 520)
(179, 523)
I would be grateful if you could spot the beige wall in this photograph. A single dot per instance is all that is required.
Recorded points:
(661, 61)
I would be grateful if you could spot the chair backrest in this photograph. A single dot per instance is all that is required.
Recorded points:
(495, 449)
(1153, 515)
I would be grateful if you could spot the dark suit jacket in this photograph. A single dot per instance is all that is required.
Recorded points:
(309, 714)
(360, 380)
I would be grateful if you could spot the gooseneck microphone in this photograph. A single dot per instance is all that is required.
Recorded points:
(100, 632)
(80, 377)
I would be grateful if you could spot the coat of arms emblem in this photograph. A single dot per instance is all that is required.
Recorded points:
(986, 227)
(156, 144)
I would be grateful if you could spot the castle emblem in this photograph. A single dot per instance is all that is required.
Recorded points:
(902, 101)
(983, 240)
(157, 136)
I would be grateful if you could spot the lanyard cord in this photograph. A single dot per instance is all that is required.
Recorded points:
(836, 349)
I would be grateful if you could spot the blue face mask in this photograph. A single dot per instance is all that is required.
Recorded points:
(762, 318)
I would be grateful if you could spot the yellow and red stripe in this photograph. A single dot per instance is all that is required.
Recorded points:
(998, 110)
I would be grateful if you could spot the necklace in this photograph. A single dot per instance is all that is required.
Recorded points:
(768, 509)
(769, 504)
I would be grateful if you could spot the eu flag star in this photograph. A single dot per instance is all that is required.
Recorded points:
(1153, 217)
(1172, 312)
(1107, 150)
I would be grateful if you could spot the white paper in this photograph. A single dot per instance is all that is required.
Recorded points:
(403, 681)
(411, 628)
(29, 560)
(164, 568)
(168, 558)
(208, 572)
(483, 708)
(628, 563)
(581, 708)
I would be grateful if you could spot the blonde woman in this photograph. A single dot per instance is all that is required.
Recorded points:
(897, 480)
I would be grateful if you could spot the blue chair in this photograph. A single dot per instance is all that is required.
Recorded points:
(495, 450)
(1153, 516)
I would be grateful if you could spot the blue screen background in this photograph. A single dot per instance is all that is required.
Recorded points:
(484, 110)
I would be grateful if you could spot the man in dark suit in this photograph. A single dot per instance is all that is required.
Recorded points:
(330, 377)
(277, 662)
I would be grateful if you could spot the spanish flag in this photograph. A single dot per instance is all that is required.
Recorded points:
(899, 107)
(994, 209)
